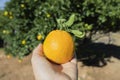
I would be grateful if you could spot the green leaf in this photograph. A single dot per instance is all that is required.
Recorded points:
(102, 18)
(60, 21)
(78, 33)
(70, 21)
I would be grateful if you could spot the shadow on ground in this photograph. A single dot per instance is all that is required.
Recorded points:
(97, 54)
(1, 43)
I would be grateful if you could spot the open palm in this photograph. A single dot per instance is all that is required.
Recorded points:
(46, 70)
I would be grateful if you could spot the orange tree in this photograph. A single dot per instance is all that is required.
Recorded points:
(3, 30)
(27, 22)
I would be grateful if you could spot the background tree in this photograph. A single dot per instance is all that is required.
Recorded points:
(25, 23)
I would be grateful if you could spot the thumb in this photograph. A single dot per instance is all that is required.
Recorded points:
(38, 50)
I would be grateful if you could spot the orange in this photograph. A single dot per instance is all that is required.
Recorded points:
(39, 37)
(58, 46)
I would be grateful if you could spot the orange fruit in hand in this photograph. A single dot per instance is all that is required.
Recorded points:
(58, 46)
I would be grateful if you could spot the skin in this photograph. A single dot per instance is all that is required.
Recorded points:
(45, 70)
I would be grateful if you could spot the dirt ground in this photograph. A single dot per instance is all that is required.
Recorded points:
(11, 69)
(105, 67)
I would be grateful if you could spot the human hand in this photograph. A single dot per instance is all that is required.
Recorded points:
(45, 70)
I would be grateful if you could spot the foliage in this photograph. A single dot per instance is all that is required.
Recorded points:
(25, 23)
